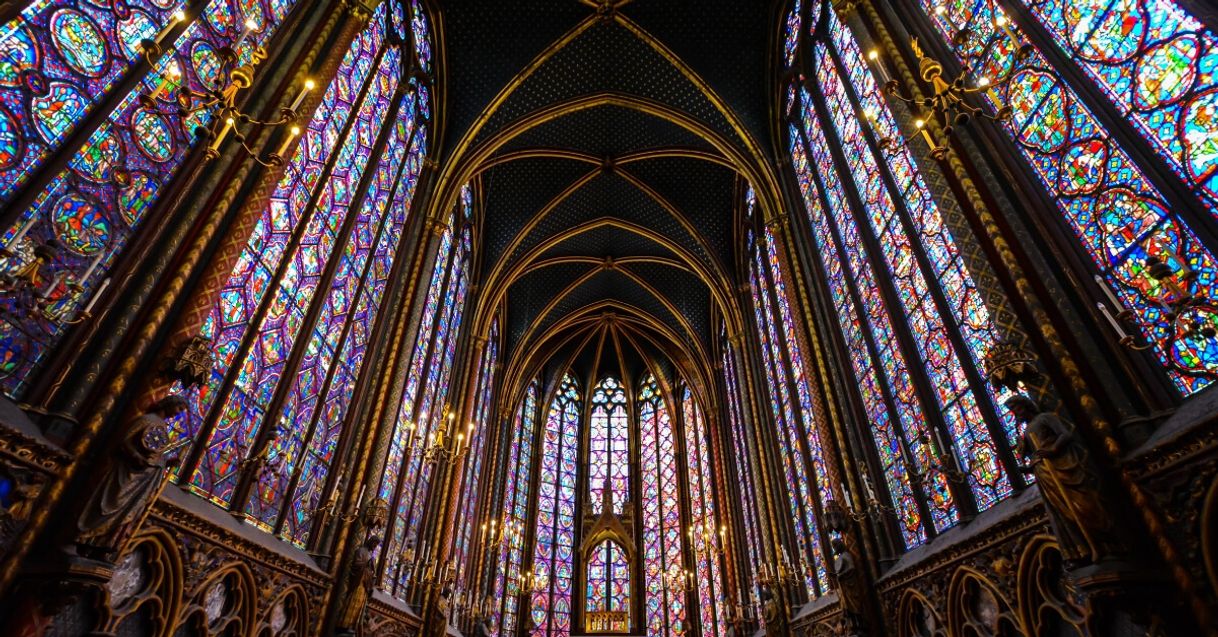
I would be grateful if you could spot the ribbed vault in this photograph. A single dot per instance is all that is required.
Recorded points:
(608, 143)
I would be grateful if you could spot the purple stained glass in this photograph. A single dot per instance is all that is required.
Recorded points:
(516, 494)
(707, 537)
(660, 501)
(972, 446)
(555, 531)
(289, 297)
(608, 445)
(108, 183)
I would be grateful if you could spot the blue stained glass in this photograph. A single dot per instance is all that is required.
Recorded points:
(1119, 217)
(121, 168)
(555, 529)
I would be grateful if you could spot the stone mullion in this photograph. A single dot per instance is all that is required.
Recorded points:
(348, 323)
(304, 332)
(963, 354)
(414, 295)
(1095, 424)
(739, 554)
(845, 408)
(61, 383)
(106, 398)
(250, 335)
(39, 181)
(770, 536)
(895, 310)
(801, 424)
(836, 432)
(381, 411)
(778, 363)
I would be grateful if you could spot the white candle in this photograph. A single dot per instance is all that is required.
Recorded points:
(874, 56)
(215, 144)
(282, 153)
(1116, 325)
(361, 493)
(177, 17)
(1112, 298)
(308, 86)
(96, 295)
(247, 28)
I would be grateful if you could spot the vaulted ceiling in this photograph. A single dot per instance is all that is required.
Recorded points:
(609, 142)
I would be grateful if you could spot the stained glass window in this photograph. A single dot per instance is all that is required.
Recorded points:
(608, 579)
(1154, 63)
(744, 457)
(266, 301)
(666, 613)
(554, 546)
(421, 413)
(478, 434)
(516, 497)
(608, 445)
(61, 60)
(706, 535)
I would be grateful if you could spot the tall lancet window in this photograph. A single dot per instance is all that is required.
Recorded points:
(707, 536)
(661, 503)
(608, 594)
(478, 431)
(608, 446)
(292, 322)
(914, 323)
(517, 494)
(421, 414)
(1154, 64)
(64, 64)
(745, 459)
(554, 547)
(790, 399)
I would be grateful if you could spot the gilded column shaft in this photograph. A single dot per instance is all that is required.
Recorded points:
(1098, 425)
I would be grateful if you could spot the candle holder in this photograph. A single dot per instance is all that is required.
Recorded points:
(948, 102)
(42, 291)
(233, 76)
(678, 580)
(440, 450)
(703, 540)
(1184, 309)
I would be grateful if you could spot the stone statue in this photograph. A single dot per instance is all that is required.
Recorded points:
(771, 609)
(482, 626)
(361, 577)
(132, 477)
(851, 585)
(1080, 513)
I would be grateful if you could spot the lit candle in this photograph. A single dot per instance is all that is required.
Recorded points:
(1005, 24)
(985, 83)
(308, 86)
(281, 152)
(361, 493)
(215, 143)
(96, 295)
(874, 56)
(247, 28)
(1116, 325)
(921, 126)
(177, 17)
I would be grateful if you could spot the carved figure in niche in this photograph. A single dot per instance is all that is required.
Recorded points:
(131, 478)
(851, 587)
(482, 626)
(361, 576)
(771, 610)
(1081, 515)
